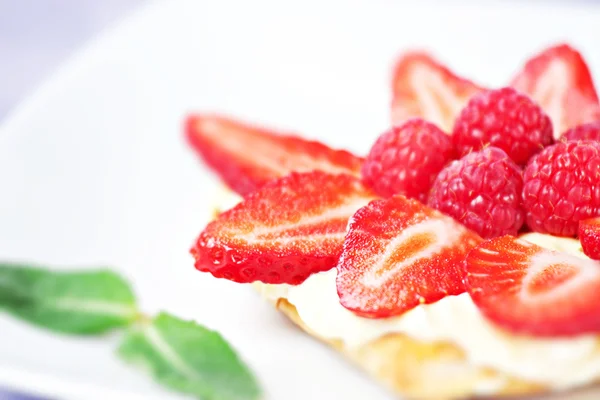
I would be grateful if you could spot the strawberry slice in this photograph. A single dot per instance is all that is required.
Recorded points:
(399, 253)
(246, 157)
(559, 80)
(422, 87)
(290, 228)
(589, 236)
(528, 289)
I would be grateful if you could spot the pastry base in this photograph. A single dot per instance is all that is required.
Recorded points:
(422, 370)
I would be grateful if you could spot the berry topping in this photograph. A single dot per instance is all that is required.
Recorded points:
(561, 186)
(406, 159)
(589, 236)
(482, 190)
(422, 87)
(559, 80)
(399, 253)
(506, 119)
(246, 157)
(527, 289)
(589, 131)
(291, 227)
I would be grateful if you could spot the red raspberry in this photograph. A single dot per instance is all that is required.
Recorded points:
(589, 236)
(589, 131)
(506, 119)
(561, 186)
(407, 158)
(483, 191)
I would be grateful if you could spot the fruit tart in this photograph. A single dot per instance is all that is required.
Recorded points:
(458, 258)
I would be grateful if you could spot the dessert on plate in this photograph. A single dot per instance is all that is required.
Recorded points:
(457, 258)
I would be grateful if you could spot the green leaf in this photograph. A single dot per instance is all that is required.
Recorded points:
(83, 302)
(189, 358)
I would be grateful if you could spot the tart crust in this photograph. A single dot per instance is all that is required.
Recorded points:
(421, 370)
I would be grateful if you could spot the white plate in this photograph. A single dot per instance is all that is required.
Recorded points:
(94, 170)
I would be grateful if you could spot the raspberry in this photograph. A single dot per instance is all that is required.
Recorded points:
(561, 186)
(589, 131)
(506, 119)
(406, 159)
(483, 191)
(589, 236)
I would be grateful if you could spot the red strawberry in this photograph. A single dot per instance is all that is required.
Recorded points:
(506, 119)
(402, 160)
(246, 157)
(291, 227)
(528, 289)
(589, 131)
(559, 80)
(589, 236)
(399, 253)
(422, 87)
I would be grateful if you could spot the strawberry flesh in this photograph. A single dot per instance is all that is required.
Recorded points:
(399, 253)
(422, 87)
(559, 80)
(589, 236)
(527, 289)
(290, 228)
(246, 157)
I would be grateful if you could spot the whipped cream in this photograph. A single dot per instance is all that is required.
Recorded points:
(558, 363)
(454, 319)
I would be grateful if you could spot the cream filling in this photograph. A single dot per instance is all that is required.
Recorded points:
(559, 363)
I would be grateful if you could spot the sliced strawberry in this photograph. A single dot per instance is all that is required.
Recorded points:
(246, 157)
(589, 236)
(559, 80)
(399, 253)
(422, 87)
(527, 289)
(291, 227)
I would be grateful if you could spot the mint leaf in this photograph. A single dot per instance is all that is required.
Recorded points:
(189, 358)
(83, 302)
